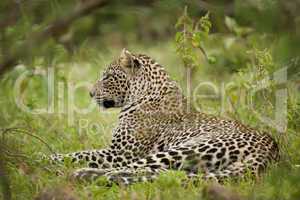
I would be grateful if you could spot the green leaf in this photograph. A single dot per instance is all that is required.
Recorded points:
(179, 37)
(212, 59)
(205, 23)
(196, 39)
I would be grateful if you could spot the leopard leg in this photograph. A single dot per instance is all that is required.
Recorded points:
(130, 176)
(118, 154)
(89, 174)
(92, 158)
(234, 171)
(122, 175)
(142, 170)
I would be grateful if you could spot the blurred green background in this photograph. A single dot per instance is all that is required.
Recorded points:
(233, 52)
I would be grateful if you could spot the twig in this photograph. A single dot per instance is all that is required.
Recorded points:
(203, 52)
(55, 29)
(15, 155)
(4, 179)
(30, 134)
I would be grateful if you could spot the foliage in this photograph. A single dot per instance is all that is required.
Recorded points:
(191, 37)
(246, 42)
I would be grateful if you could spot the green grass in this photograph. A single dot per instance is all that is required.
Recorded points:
(64, 131)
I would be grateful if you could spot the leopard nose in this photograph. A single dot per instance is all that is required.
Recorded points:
(92, 94)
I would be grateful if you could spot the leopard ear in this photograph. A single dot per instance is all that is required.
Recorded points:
(126, 58)
(128, 61)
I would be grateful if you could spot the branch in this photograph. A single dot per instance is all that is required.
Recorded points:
(55, 29)
(4, 179)
(18, 130)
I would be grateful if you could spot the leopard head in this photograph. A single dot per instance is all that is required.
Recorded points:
(112, 89)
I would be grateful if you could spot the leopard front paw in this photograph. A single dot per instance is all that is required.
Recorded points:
(88, 174)
(56, 158)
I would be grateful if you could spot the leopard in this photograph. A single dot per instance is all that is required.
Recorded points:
(158, 131)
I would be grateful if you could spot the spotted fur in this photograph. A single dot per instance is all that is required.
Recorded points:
(157, 132)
